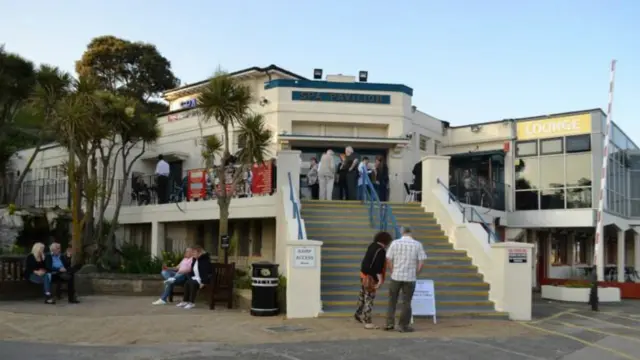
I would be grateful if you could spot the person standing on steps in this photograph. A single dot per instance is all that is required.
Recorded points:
(162, 179)
(371, 277)
(405, 259)
(312, 179)
(350, 165)
(326, 175)
(363, 170)
(342, 179)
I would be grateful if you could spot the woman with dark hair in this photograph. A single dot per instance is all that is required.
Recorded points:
(372, 277)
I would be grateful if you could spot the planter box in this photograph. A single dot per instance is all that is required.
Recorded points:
(119, 284)
(561, 293)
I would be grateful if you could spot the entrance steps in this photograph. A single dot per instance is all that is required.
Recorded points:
(345, 230)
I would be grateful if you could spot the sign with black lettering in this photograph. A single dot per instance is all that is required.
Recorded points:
(304, 256)
(224, 241)
(517, 256)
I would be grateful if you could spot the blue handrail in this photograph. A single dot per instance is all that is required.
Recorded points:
(296, 209)
(491, 235)
(380, 214)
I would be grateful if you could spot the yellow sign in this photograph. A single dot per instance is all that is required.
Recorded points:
(554, 127)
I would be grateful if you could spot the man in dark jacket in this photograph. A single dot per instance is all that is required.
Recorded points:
(200, 275)
(59, 266)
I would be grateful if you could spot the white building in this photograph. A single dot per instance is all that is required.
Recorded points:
(307, 115)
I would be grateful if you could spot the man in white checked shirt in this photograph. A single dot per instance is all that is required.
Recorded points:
(405, 258)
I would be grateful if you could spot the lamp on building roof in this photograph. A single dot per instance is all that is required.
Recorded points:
(317, 74)
(363, 75)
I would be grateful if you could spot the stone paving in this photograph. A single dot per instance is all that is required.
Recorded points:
(130, 328)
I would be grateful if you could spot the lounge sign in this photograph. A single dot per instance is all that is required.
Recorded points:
(554, 127)
(340, 97)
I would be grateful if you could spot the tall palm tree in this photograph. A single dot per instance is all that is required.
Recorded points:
(226, 102)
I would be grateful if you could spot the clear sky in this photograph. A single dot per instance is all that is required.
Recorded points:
(468, 61)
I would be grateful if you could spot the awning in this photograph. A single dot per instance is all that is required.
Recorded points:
(317, 140)
(478, 153)
(168, 155)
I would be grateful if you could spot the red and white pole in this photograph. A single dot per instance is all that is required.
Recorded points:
(599, 241)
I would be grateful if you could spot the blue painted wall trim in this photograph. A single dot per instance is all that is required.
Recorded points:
(322, 96)
(318, 84)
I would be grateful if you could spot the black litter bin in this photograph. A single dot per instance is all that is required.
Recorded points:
(264, 289)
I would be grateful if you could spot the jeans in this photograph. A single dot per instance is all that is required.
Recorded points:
(168, 287)
(407, 288)
(191, 288)
(45, 280)
(166, 274)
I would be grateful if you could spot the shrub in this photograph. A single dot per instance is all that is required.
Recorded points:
(172, 258)
(137, 260)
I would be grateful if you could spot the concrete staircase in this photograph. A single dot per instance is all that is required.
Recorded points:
(345, 229)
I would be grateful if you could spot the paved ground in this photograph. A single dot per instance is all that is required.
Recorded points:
(128, 328)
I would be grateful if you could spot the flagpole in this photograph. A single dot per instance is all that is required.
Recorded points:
(598, 273)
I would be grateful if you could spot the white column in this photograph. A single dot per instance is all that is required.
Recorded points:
(621, 255)
(433, 168)
(288, 161)
(157, 238)
(636, 250)
(510, 279)
(601, 255)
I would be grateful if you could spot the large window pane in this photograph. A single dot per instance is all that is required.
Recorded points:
(635, 208)
(579, 143)
(552, 199)
(551, 146)
(552, 172)
(527, 148)
(526, 200)
(527, 174)
(634, 181)
(578, 198)
(579, 170)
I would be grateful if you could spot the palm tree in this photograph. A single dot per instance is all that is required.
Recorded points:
(226, 101)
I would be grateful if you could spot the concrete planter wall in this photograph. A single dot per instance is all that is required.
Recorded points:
(119, 284)
(570, 294)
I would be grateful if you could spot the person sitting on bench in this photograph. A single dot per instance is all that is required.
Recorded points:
(176, 276)
(36, 271)
(59, 267)
(199, 276)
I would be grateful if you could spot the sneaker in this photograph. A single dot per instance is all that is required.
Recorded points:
(170, 280)
(182, 304)
(190, 306)
(159, 302)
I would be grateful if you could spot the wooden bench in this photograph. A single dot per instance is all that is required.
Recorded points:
(13, 285)
(220, 286)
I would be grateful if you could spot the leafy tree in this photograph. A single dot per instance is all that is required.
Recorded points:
(17, 78)
(134, 68)
(226, 101)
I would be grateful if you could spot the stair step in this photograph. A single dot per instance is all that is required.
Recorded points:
(442, 255)
(382, 296)
(321, 234)
(354, 283)
(427, 269)
(448, 277)
(364, 243)
(439, 303)
(360, 250)
(365, 228)
(416, 224)
(362, 215)
(433, 260)
(461, 313)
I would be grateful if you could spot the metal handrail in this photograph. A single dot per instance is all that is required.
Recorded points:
(491, 235)
(296, 209)
(384, 211)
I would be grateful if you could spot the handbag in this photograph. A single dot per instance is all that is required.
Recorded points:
(368, 282)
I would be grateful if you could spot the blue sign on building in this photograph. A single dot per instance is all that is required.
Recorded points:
(188, 103)
(341, 97)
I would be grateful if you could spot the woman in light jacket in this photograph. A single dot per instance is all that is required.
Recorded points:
(326, 175)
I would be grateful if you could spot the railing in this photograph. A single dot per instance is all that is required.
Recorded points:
(143, 189)
(491, 195)
(38, 193)
(11, 268)
(296, 209)
(469, 213)
(380, 214)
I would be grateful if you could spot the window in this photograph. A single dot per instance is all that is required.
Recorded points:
(423, 142)
(580, 249)
(527, 200)
(551, 146)
(579, 143)
(256, 240)
(527, 148)
(436, 145)
(240, 141)
(552, 199)
(527, 174)
(559, 249)
(578, 170)
(579, 198)
(551, 172)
